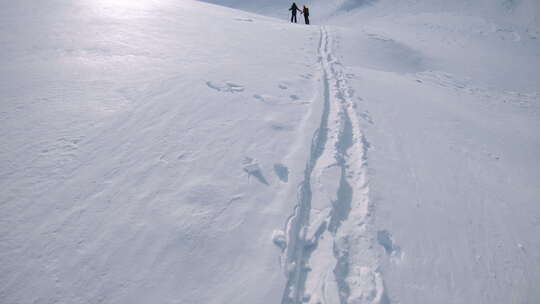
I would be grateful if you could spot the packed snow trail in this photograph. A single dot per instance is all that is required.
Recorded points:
(329, 257)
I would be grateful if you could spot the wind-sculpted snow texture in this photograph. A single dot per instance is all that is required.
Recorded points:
(136, 165)
(449, 105)
(182, 152)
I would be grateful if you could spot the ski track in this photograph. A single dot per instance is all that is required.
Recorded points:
(329, 256)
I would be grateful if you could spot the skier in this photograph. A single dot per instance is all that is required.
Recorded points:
(293, 10)
(305, 11)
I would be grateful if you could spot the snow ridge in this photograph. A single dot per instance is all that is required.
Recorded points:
(329, 257)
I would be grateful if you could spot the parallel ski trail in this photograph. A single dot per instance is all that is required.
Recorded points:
(329, 256)
(296, 253)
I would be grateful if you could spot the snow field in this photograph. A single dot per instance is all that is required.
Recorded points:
(183, 152)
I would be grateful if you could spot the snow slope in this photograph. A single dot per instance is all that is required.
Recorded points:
(138, 150)
(450, 107)
(183, 152)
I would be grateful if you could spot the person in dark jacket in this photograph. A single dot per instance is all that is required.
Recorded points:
(293, 10)
(305, 11)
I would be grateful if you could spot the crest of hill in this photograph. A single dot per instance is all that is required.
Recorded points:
(524, 13)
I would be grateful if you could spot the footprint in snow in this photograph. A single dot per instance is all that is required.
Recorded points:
(279, 239)
(282, 172)
(63, 145)
(277, 126)
(213, 86)
(366, 117)
(229, 87)
(269, 100)
(251, 167)
(258, 97)
(385, 239)
(233, 87)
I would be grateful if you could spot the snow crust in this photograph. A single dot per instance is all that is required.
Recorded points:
(185, 152)
(129, 143)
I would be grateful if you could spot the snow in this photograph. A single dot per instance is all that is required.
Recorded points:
(186, 152)
(451, 114)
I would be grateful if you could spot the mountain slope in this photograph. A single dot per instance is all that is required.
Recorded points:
(449, 104)
(185, 152)
(138, 151)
